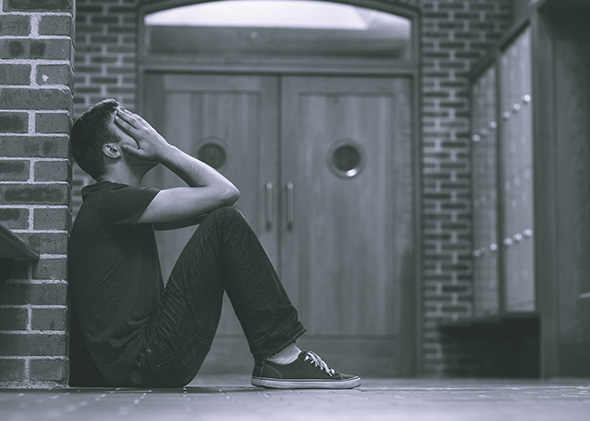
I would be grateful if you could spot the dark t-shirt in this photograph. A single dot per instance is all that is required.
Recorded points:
(114, 274)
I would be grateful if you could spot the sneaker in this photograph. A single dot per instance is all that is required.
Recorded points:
(308, 371)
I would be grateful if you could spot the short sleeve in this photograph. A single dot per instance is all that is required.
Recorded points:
(123, 205)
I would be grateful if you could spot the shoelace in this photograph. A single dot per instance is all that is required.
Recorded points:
(318, 362)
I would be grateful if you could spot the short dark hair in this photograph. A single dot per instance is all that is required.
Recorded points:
(89, 133)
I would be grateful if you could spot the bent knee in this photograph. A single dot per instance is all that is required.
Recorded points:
(227, 209)
(227, 214)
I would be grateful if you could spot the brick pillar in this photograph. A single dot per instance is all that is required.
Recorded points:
(36, 73)
(456, 34)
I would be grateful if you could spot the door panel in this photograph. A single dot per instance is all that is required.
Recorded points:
(350, 243)
(237, 114)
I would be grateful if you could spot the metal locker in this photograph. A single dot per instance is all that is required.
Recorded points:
(484, 164)
(516, 145)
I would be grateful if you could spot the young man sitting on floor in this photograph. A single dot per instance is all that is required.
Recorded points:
(139, 333)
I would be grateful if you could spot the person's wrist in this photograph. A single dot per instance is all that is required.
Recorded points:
(167, 152)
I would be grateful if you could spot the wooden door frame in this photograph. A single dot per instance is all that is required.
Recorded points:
(322, 67)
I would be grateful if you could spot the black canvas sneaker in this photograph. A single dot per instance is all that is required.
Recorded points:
(308, 371)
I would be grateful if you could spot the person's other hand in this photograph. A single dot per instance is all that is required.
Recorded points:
(150, 144)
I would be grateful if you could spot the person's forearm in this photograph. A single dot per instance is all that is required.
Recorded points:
(153, 147)
(194, 172)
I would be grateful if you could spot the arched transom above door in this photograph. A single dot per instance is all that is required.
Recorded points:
(303, 28)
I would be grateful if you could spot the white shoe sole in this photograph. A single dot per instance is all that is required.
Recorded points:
(305, 384)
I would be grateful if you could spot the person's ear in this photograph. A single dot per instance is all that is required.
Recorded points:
(112, 150)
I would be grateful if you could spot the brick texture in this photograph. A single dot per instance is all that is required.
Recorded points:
(48, 319)
(105, 52)
(34, 294)
(17, 74)
(50, 49)
(53, 123)
(18, 25)
(13, 318)
(38, 6)
(13, 371)
(33, 146)
(12, 122)
(36, 103)
(15, 170)
(52, 219)
(32, 344)
(53, 370)
(51, 268)
(14, 218)
(34, 194)
(455, 34)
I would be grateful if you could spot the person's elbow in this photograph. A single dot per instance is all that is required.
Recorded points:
(231, 195)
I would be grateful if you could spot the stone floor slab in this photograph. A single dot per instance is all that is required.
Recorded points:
(213, 398)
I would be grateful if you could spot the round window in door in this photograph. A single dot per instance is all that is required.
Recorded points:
(346, 158)
(212, 152)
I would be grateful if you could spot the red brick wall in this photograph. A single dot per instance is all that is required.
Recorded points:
(35, 173)
(455, 34)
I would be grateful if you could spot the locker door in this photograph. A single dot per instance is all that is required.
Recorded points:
(485, 215)
(517, 166)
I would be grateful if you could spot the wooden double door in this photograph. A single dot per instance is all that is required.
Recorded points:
(325, 170)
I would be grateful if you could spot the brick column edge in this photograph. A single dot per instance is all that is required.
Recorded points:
(36, 103)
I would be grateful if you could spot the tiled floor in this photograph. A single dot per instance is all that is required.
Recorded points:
(231, 397)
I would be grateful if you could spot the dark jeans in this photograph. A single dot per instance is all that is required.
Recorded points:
(223, 255)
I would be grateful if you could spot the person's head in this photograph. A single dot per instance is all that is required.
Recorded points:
(90, 133)
(97, 140)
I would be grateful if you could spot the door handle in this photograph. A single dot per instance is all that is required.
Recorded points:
(290, 209)
(268, 204)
